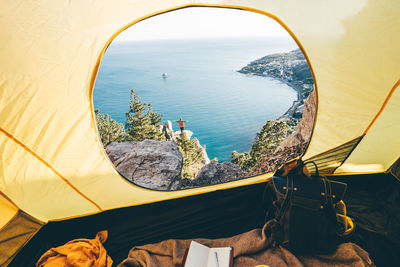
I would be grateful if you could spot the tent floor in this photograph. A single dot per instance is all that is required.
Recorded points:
(372, 200)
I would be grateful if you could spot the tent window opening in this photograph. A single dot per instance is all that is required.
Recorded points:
(182, 101)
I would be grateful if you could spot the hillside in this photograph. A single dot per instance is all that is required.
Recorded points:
(286, 137)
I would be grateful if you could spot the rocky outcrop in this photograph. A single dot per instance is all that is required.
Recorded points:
(166, 129)
(214, 173)
(177, 134)
(294, 145)
(171, 135)
(149, 163)
(205, 160)
(271, 162)
(157, 164)
(305, 126)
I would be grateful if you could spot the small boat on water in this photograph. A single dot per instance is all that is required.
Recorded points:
(164, 75)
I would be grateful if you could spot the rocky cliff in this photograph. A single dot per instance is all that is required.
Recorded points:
(214, 173)
(149, 163)
(291, 68)
(171, 135)
(158, 165)
(305, 126)
(294, 145)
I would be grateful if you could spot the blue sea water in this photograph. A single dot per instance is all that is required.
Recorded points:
(225, 108)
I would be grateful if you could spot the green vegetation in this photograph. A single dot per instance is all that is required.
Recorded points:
(267, 140)
(192, 155)
(141, 122)
(109, 129)
(243, 160)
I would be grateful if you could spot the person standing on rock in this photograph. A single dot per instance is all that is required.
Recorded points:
(181, 123)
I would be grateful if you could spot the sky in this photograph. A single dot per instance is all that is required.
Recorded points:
(203, 22)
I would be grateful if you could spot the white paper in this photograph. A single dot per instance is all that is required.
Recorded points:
(203, 256)
(197, 255)
(223, 254)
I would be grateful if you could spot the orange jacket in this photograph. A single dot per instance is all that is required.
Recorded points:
(181, 123)
(78, 252)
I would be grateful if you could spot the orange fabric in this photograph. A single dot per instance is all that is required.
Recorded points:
(78, 252)
(181, 122)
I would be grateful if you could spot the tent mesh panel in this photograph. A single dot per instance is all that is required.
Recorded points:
(395, 169)
(330, 160)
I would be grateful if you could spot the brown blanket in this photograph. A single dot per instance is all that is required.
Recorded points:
(250, 249)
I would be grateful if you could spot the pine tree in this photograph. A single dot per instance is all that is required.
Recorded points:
(109, 129)
(155, 118)
(141, 122)
(267, 140)
(191, 154)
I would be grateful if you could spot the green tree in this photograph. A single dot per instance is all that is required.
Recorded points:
(192, 155)
(141, 122)
(267, 140)
(243, 160)
(109, 129)
(155, 118)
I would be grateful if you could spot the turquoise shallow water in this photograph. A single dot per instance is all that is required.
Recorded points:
(225, 109)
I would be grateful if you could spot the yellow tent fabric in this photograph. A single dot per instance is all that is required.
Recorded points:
(15, 234)
(8, 211)
(52, 164)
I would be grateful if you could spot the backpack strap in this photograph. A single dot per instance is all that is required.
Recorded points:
(328, 190)
(286, 200)
(315, 165)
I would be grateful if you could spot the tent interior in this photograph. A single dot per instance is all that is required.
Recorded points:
(57, 184)
(372, 202)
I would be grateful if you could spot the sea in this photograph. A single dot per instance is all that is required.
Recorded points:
(224, 108)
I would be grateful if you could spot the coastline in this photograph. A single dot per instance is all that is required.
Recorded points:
(290, 68)
(289, 114)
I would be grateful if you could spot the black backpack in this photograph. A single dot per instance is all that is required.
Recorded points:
(302, 210)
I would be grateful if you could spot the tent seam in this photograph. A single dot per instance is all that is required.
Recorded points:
(395, 86)
(383, 106)
(351, 151)
(8, 223)
(9, 200)
(49, 166)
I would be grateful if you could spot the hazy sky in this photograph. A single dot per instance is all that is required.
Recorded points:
(203, 22)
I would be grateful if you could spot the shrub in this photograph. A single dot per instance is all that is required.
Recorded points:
(109, 129)
(192, 155)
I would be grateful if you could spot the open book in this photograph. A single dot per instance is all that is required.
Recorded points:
(199, 255)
